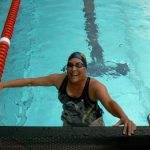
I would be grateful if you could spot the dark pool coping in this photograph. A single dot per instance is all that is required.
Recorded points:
(96, 137)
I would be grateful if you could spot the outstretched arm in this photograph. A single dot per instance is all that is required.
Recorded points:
(102, 94)
(50, 80)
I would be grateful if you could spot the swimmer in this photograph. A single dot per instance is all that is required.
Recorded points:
(79, 95)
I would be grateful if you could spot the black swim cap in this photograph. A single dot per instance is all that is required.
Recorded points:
(79, 56)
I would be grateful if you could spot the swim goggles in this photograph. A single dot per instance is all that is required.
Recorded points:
(78, 65)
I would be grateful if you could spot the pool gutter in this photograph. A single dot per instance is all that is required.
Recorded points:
(73, 138)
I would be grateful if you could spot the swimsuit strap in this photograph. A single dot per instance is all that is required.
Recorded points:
(63, 85)
(85, 93)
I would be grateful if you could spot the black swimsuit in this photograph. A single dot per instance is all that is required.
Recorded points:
(80, 111)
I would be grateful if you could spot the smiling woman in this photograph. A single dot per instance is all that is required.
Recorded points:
(76, 67)
(109, 34)
(79, 95)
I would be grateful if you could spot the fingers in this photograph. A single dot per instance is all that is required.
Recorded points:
(133, 127)
(129, 128)
(1, 89)
(1, 86)
(118, 123)
(125, 128)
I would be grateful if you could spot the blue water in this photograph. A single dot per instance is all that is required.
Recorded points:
(48, 31)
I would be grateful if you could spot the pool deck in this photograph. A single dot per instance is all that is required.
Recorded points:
(67, 138)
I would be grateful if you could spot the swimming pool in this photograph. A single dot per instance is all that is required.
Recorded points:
(113, 34)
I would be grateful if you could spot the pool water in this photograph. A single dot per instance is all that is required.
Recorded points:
(114, 36)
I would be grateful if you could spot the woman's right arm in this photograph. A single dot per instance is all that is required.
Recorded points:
(50, 80)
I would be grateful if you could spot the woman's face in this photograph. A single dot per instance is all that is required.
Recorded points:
(76, 70)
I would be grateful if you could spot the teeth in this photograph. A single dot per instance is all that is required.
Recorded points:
(75, 74)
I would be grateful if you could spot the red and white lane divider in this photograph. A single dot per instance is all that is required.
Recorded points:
(7, 33)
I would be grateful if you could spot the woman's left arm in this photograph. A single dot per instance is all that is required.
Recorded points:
(102, 94)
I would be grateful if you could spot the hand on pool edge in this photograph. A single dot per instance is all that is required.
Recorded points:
(129, 126)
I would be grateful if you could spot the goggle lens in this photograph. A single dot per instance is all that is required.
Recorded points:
(78, 65)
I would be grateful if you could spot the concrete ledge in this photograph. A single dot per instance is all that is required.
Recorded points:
(87, 138)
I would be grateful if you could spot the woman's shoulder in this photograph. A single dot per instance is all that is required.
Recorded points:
(95, 83)
(59, 79)
(95, 87)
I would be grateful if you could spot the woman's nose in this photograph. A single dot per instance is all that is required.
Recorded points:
(74, 67)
